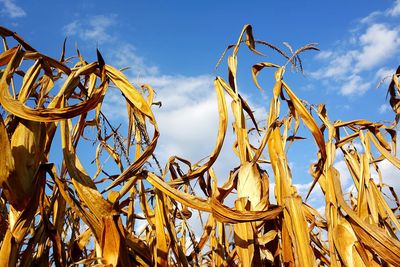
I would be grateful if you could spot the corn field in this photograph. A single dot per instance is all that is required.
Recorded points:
(65, 217)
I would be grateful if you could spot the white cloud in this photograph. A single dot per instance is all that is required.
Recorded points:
(124, 55)
(383, 76)
(116, 52)
(345, 176)
(11, 9)
(384, 72)
(114, 105)
(383, 108)
(188, 118)
(72, 27)
(339, 67)
(378, 43)
(303, 188)
(373, 47)
(321, 210)
(181, 91)
(324, 55)
(354, 85)
(92, 29)
(371, 17)
(368, 46)
(390, 174)
(395, 10)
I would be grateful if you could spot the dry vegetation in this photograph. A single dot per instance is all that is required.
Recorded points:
(62, 216)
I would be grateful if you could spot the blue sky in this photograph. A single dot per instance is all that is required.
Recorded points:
(174, 46)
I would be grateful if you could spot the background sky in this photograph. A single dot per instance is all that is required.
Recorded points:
(174, 46)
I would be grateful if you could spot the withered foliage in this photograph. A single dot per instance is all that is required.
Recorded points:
(64, 217)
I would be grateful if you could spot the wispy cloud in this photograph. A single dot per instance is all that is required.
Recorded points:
(383, 108)
(324, 55)
(339, 66)
(395, 10)
(384, 73)
(11, 9)
(355, 84)
(369, 46)
(125, 55)
(94, 28)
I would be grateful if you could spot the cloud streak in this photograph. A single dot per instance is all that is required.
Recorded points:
(94, 28)
(11, 9)
(395, 10)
